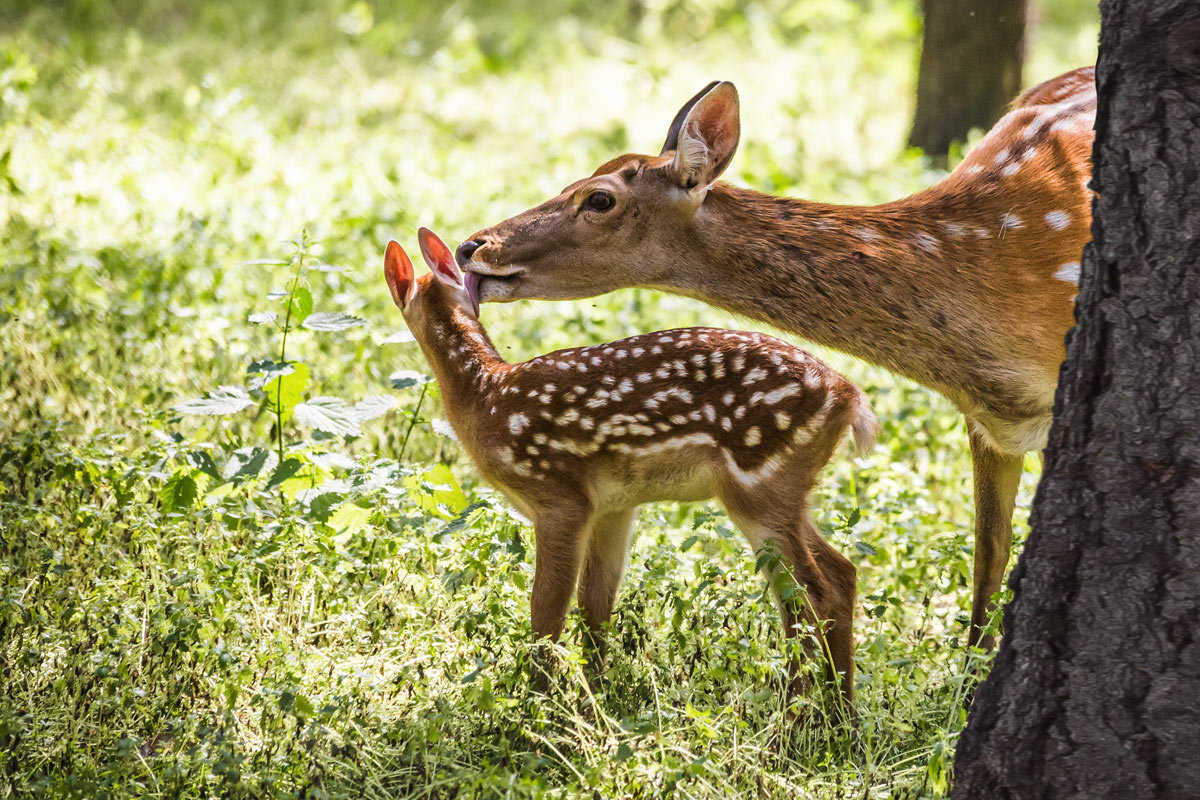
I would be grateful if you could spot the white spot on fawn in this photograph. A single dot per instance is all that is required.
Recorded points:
(1010, 169)
(756, 374)
(753, 436)
(782, 420)
(926, 242)
(954, 230)
(1010, 222)
(517, 423)
(866, 234)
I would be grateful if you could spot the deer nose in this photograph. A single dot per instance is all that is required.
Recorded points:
(465, 251)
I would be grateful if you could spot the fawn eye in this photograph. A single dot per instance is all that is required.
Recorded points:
(600, 201)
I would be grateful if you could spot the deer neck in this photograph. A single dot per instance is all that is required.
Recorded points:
(464, 361)
(864, 280)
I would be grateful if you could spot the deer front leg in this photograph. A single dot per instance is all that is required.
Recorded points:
(997, 476)
(603, 568)
(558, 542)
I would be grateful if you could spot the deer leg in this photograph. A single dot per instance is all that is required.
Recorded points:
(558, 541)
(814, 585)
(997, 476)
(603, 568)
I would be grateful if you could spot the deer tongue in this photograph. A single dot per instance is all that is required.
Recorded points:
(471, 282)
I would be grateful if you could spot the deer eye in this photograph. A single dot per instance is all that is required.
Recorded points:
(600, 201)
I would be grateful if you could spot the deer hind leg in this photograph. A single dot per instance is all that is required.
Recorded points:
(814, 586)
(558, 540)
(997, 476)
(603, 568)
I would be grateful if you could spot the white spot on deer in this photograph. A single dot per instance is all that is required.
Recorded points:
(656, 350)
(1069, 272)
(974, 169)
(567, 417)
(754, 375)
(926, 242)
(782, 420)
(641, 430)
(580, 366)
(1030, 154)
(596, 361)
(596, 402)
(727, 423)
(694, 415)
(544, 399)
(1010, 169)
(739, 362)
(563, 365)
(608, 351)
(665, 339)
(1001, 157)
(710, 413)
(626, 386)
(1010, 222)
(622, 353)
(753, 436)
(637, 351)
(954, 230)
(785, 391)
(756, 398)
(982, 233)
(1058, 219)
(678, 419)
(699, 359)
(739, 412)
(718, 371)
(700, 377)
(586, 423)
(866, 234)
(539, 438)
(728, 399)
(663, 372)
(643, 377)
(531, 450)
(517, 423)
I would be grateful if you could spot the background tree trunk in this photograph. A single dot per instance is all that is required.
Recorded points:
(1095, 691)
(970, 68)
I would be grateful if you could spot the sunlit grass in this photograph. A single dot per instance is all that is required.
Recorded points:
(246, 644)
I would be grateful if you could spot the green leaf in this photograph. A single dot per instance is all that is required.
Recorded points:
(178, 493)
(329, 414)
(865, 549)
(688, 542)
(252, 461)
(285, 470)
(400, 337)
(285, 391)
(302, 304)
(269, 262)
(460, 521)
(263, 317)
(349, 518)
(223, 400)
(332, 321)
(404, 378)
(374, 406)
(437, 492)
(321, 506)
(624, 752)
(203, 461)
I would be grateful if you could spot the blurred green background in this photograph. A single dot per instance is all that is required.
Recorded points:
(186, 613)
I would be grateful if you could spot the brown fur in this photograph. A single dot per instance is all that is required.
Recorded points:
(579, 438)
(966, 287)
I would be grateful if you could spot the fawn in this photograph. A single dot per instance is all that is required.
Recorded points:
(578, 439)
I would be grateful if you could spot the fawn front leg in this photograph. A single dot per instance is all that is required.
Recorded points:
(603, 568)
(558, 542)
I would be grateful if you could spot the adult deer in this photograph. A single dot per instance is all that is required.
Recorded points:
(966, 287)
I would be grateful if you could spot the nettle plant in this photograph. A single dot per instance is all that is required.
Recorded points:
(299, 462)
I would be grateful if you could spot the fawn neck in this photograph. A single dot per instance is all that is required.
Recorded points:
(463, 358)
(843, 276)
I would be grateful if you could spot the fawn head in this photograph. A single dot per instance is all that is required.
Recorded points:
(623, 226)
(435, 294)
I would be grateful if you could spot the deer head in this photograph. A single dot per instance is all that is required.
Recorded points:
(444, 286)
(623, 226)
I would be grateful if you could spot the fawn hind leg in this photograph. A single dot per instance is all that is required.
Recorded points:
(997, 477)
(827, 578)
(603, 568)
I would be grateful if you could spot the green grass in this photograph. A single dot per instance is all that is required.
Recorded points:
(184, 615)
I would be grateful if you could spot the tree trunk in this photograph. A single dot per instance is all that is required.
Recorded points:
(1095, 691)
(970, 68)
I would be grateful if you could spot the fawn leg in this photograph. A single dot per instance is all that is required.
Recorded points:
(603, 568)
(997, 476)
(558, 542)
(828, 581)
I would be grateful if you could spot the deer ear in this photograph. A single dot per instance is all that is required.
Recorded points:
(398, 271)
(672, 141)
(438, 257)
(707, 137)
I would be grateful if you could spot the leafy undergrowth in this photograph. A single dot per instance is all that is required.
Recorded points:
(241, 556)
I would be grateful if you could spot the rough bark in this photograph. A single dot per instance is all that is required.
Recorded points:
(1095, 691)
(970, 68)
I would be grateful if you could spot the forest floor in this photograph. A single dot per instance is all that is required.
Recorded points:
(191, 606)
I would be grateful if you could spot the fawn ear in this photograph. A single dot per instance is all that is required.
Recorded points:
(398, 271)
(439, 258)
(707, 137)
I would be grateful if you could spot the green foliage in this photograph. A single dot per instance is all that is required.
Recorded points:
(239, 555)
